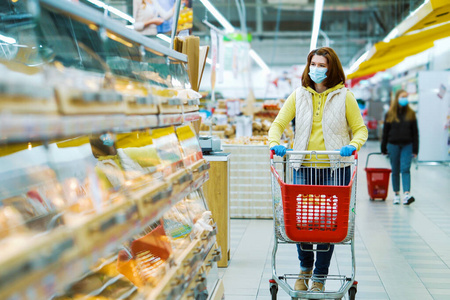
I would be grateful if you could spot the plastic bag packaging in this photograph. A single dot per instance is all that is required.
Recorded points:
(166, 143)
(145, 262)
(178, 226)
(192, 152)
(137, 154)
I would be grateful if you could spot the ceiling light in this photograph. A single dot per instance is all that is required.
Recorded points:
(7, 39)
(359, 61)
(259, 60)
(121, 14)
(219, 17)
(113, 10)
(318, 8)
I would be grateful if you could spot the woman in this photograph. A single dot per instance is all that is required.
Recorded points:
(323, 110)
(148, 14)
(401, 141)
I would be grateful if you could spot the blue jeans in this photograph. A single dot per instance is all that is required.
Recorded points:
(400, 157)
(312, 176)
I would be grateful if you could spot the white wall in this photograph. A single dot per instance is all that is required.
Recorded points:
(441, 55)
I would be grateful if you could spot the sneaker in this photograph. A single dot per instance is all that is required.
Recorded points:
(396, 199)
(408, 199)
(317, 287)
(301, 284)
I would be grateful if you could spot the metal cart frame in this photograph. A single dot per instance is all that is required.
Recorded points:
(311, 213)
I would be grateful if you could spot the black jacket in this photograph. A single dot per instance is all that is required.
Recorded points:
(400, 133)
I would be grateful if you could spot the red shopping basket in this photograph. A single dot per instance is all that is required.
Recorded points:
(377, 180)
(316, 213)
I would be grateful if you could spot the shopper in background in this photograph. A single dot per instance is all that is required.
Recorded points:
(323, 110)
(401, 141)
(148, 14)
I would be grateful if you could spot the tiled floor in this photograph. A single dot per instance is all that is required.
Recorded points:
(402, 252)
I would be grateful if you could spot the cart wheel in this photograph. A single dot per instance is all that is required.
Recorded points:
(352, 293)
(371, 199)
(384, 199)
(273, 290)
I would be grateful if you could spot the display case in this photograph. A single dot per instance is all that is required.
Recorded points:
(100, 186)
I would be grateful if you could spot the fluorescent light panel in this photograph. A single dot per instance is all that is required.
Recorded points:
(219, 17)
(259, 60)
(113, 10)
(7, 39)
(318, 8)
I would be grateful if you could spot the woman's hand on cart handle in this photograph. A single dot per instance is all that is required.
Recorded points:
(347, 150)
(279, 150)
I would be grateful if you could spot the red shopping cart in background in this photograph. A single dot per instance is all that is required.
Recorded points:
(377, 180)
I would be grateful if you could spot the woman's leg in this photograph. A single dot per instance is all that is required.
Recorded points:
(394, 156)
(303, 176)
(323, 256)
(405, 166)
(323, 261)
(306, 257)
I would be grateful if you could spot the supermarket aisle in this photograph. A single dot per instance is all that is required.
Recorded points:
(402, 252)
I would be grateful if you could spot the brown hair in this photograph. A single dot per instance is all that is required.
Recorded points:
(335, 73)
(395, 109)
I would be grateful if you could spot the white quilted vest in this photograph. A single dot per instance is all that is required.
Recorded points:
(334, 122)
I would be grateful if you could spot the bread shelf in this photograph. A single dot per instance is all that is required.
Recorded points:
(57, 254)
(87, 170)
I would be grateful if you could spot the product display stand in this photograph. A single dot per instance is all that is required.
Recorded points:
(101, 169)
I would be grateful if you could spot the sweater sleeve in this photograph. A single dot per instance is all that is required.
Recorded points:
(415, 132)
(384, 138)
(355, 121)
(286, 114)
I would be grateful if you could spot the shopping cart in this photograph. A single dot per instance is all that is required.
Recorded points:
(316, 212)
(377, 180)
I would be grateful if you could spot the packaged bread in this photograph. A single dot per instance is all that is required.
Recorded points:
(229, 131)
(266, 125)
(191, 150)
(204, 127)
(151, 253)
(127, 266)
(195, 205)
(168, 149)
(110, 172)
(178, 226)
(256, 125)
(11, 222)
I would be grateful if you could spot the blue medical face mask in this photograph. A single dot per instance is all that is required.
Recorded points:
(107, 140)
(403, 101)
(317, 74)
